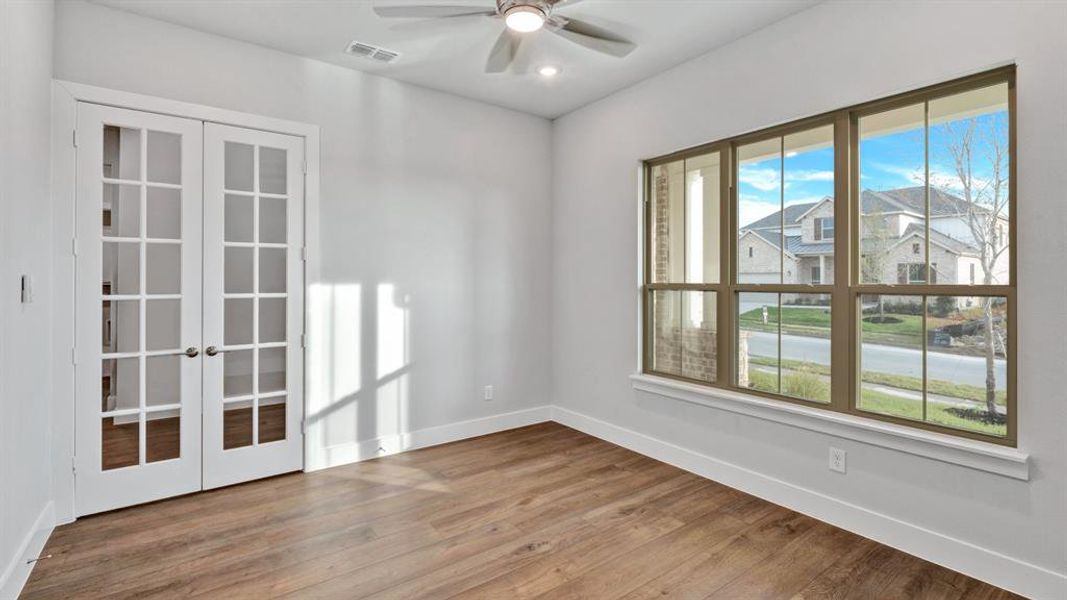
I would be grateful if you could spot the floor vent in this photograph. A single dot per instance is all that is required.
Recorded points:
(372, 52)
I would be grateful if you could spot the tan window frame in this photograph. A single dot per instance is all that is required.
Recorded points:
(845, 291)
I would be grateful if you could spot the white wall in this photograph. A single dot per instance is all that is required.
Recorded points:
(25, 220)
(434, 224)
(828, 57)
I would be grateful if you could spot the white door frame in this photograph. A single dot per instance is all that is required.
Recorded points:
(65, 98)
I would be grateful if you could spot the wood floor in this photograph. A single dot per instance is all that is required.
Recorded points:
(543, 511)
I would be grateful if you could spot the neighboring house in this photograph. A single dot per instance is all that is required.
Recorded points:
(893, 240)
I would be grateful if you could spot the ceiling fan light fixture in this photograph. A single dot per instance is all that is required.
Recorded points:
(548, 71)
(524, 19)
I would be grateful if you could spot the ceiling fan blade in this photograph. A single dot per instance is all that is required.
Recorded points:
(563, 3)
(503, 52)
(591, 36)
(430, 11)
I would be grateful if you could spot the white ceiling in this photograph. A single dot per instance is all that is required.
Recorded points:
(450, 55)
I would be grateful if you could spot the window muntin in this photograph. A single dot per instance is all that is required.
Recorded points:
(906, 138)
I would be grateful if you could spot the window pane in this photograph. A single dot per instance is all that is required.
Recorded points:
(684, 333)
(891, 355)
(759, 213)
(757, 341)
(702, 219)
(969, 192)
(272, 419)
(893, 199)
(164, 157)
(163, 435)
(805, 339)
(792, 357)
(121, 212)
(967, 371)
(122, 153)
(237, 424)
(121, 266)
(120, 440)
(808, 187)
(239, 166)
(668, 217)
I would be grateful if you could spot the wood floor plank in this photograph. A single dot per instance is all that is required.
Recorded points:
(541, 511)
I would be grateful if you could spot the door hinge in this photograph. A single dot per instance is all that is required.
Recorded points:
(74, 465)
(74, 138)
(74, 246)
(303, 340)
(304, 166)
(74, 356)
(304, 253)
(304, 426)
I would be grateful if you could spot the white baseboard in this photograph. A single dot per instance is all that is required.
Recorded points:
(17, 572)
(969, 559)
(332, 456)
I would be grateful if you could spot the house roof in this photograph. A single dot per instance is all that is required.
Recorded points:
(909, 199)
(936, 237)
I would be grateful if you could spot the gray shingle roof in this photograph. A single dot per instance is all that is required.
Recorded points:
(792, 213)
(910, 199)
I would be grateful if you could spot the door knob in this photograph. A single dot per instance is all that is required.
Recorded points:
(192, 351)
(211, 351)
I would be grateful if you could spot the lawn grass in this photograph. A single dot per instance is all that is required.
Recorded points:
(812, 387)
(938, 387)
(815, 322)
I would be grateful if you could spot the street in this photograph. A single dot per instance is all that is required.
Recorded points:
(883, 359)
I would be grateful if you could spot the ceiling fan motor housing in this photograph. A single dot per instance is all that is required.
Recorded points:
(542, 6)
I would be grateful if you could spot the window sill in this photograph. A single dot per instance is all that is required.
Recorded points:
(982, 456)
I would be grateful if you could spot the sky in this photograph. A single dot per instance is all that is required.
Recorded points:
(886, 162)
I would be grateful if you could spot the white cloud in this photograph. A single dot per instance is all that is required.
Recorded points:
(752, 209)
(809, 175)
(764, 180)
(912, 176)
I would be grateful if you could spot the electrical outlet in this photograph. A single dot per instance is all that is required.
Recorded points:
(488, 393)
(837, 459)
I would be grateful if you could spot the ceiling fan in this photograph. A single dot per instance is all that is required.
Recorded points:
(520, 17)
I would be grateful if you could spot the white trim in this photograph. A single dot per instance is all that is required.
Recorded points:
(332, 456)
(120, 99)
(983, 456)
(975, 561)
(915, 234)
(807, 212)
(17, 572)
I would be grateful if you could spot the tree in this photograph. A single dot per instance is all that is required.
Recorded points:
(977, 150)
(877, 238)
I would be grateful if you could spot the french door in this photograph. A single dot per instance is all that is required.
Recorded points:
(253, 304)
(189, 303)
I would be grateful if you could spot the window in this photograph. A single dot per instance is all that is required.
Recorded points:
(921, 185)
(824, 228)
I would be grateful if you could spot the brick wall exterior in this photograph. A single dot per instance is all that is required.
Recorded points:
(678, 347)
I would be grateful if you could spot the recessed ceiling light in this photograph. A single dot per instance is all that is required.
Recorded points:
(524, 19)
(548, 71)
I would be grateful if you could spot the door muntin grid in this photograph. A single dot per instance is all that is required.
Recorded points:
(255, 294)
(140, 296)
